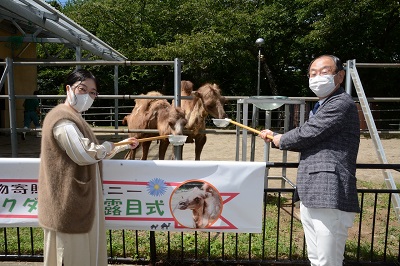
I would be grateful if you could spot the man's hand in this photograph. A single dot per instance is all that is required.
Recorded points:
(266, 132)
(276, 137)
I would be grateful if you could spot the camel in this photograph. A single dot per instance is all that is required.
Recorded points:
(154, 114)
(165, 226)
(213, 202)
(205, 203)
(207, 101)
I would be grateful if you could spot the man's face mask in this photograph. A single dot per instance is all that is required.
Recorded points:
(323, 85)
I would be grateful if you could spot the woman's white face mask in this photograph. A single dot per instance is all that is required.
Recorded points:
(80, 102)
(323, 85)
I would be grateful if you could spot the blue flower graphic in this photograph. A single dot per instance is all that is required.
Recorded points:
(156, 187)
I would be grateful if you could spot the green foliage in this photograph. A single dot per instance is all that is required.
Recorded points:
(216, 41)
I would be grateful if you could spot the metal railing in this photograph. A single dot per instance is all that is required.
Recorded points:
(386, 112)
(374, 238)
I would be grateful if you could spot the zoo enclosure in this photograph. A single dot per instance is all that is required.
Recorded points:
(386, 110)
(177, 253)
(386, 116)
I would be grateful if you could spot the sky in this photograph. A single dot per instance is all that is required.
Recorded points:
(62, 2)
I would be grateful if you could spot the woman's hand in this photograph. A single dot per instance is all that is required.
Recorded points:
(134, 143)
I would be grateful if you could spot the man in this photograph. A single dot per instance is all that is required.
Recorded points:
(326, 182)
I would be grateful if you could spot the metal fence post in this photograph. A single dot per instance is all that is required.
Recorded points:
(153, 249)
(12, 107)
(116, 100)
(177, 100)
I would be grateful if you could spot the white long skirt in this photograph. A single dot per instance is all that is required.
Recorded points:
(88, 249)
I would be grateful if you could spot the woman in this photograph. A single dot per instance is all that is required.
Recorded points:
(71, 208)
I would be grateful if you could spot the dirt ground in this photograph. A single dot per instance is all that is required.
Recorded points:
(222, 147)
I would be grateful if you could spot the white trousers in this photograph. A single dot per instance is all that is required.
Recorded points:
(326, 233)
(88, 249)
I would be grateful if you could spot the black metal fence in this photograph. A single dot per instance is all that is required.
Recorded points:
(374, 239)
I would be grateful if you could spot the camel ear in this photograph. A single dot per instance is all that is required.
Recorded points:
(196, 94)
(223, 100)
(125, 120)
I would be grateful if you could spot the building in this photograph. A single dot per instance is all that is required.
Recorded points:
(25, 24)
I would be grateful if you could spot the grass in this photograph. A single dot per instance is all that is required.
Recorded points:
(282, 238)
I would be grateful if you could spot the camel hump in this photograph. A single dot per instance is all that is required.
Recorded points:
(159, 104)
(186, 87)
(144, 104)
(154, 93)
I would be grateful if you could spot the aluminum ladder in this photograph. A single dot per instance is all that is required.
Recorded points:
(387, 174)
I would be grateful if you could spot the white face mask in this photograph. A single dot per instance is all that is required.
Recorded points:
(322, 86)
(80, 102)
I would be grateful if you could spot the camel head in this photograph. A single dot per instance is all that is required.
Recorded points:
(176, 120)
(194, 200)
(171, 120)
(213, 101)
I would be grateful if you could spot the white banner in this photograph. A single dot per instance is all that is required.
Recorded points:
(152, 195)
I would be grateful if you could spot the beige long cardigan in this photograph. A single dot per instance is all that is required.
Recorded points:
(66, 190)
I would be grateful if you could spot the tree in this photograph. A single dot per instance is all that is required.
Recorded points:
(215, 39)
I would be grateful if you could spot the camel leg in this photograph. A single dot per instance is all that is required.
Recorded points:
(199, 144)
(162, 149)
(145, 150)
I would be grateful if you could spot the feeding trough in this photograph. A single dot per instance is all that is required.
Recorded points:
(269, 103)
(220, 122)
(177, 140)
(225, 122)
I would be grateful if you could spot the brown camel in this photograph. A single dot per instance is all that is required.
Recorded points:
(154, 114)
(207, 101)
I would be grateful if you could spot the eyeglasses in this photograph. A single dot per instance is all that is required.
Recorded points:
(83, 90)
(326, 70)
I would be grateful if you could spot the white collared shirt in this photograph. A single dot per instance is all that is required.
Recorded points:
(80, 149)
